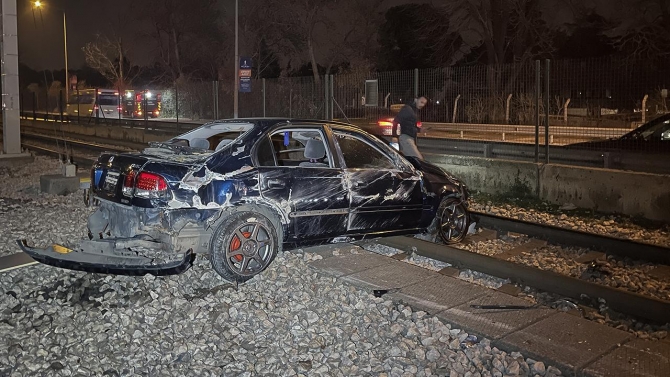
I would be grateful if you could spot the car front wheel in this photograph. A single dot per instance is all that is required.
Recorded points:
(243, 246)
(452, 220)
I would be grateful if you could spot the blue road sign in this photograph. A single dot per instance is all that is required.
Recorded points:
(245, 63)
(245, 84)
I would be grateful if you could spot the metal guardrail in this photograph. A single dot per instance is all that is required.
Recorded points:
(428, 128)
(151, 123)
(639, 162)
(591, 132)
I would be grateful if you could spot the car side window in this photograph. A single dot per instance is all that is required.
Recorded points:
(265, 153)
(300, 147)
(358, 154)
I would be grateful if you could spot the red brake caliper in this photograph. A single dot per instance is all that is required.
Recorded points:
(235, 244)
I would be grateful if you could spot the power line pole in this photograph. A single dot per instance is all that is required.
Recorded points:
(11, 125)
(67, 74)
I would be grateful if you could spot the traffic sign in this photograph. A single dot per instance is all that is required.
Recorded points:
(245, 84)
(244, 73)
(245, 63)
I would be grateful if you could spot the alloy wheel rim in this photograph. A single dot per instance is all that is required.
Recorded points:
(250, 249)
(452, 222)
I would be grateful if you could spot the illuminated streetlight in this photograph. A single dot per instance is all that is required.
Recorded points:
(40, 5)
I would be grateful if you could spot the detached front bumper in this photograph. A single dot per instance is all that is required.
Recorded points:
(134, 256)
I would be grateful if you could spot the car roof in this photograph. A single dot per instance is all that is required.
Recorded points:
(266, 123)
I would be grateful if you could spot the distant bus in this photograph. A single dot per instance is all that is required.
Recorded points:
(103, 103)
(141, 103)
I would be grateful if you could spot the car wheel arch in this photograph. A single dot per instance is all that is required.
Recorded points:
(448, 191)
(275, 215)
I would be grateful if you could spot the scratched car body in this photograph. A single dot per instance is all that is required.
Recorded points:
(241, 190)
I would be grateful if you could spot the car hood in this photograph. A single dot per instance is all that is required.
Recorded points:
(436, 176)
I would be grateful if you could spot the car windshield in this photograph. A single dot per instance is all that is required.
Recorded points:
(203, 140)
(648, 130)
(108, 100)
(399, 160)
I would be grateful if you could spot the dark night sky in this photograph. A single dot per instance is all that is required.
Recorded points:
(41, 39)
(41, 44)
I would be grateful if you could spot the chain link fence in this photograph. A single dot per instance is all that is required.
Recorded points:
(530, 110)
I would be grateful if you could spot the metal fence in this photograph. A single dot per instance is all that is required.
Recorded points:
(513, 111)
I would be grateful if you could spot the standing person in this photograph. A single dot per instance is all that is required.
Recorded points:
(408, 119)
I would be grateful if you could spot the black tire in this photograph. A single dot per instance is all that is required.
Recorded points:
(452, 220)
(243, 246)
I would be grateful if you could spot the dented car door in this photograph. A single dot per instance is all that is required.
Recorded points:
(309, 188)
(383, 196)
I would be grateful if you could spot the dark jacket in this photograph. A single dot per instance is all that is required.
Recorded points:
(407, 119)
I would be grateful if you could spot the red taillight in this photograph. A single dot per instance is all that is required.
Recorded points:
(386, 125)
(150, 182)
(418, 124)
(129, 183)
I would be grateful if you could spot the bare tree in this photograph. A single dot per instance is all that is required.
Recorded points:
(355, 38)
(109, 57)
(262, 34)
(296, 22)
(509, 30)
(184, 33)
(644, 31)
(317, 31)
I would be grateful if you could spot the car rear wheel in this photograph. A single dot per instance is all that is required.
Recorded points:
(243, 246)
(452, 220)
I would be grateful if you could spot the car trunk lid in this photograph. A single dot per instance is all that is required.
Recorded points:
(111, 171)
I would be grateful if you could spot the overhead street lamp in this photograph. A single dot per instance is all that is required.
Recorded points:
(41, 5)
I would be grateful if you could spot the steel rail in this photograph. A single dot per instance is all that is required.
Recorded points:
(576, 238)
(655, 310)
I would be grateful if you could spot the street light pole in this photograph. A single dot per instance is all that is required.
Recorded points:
(67, 73)
(38, 4)
(237, 62)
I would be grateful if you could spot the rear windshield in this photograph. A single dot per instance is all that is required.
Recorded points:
(87, 98)
(203, 141)
(107, 100)
(82, 98)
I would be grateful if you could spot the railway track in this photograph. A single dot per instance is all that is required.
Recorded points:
(82, 153)
(619, 247)
(502, 265)
(76, 159)
(508, 263)
(79, 144)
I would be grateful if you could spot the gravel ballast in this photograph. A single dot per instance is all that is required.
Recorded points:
(42, 219)
(286, 321)
(610, 225)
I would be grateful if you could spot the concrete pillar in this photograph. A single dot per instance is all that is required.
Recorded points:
(11, 128)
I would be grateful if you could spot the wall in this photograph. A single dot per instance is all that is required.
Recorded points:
(603, 190)
(115, 132)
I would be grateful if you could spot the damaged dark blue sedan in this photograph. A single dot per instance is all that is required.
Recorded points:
(241, 190)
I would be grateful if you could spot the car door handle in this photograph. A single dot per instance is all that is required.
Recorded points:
(276, 183)
(358, 183)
